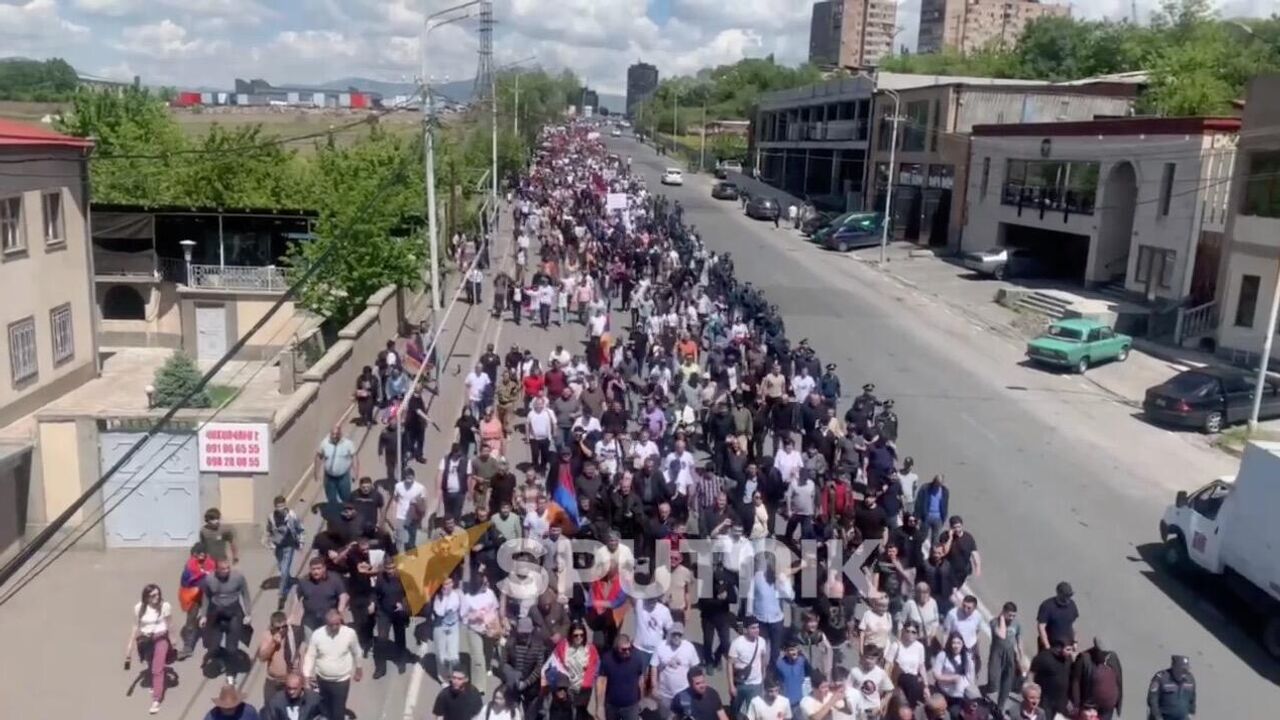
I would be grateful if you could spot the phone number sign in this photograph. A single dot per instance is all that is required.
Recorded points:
(235, 447)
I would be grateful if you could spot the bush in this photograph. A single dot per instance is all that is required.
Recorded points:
(175, 379)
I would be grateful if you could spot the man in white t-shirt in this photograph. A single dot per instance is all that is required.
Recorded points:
(869, 670)
(876, 626)
(477, 383)
(788, 460)
(653, 620)
(769, 706)
(677, 467)
(671, 663)
(540, 428)
(748, 654)
(967, 621)
(408, 508)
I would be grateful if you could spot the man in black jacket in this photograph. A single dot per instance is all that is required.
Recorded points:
(292, 701)
(1097, 679)
(522, 663)
(391, 610)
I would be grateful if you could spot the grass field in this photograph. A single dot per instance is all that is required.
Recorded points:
(274, 121)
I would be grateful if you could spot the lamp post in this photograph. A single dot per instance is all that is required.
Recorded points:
(431, 23)
(888, 195)
(187, 246)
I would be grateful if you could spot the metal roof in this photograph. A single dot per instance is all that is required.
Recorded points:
(15, 134)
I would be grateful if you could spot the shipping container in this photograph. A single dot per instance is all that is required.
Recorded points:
(222, 99)
(344, 100)
(295, 98)
(243, 99)
(206, 98)
(317, 99)
(359, 100)
(187, 99)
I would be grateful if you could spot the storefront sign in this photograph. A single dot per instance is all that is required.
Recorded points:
(235, 448)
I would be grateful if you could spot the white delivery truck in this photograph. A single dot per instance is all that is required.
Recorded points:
(1230, 528)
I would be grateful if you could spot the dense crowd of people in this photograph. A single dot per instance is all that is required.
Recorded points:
(686, 420)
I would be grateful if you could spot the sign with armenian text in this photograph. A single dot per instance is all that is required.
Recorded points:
(235, 447)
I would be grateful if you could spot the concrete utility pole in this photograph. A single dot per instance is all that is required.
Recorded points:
(702, 151)
(1260, 382)
(431, 23)
(888, 195)
(515, 124)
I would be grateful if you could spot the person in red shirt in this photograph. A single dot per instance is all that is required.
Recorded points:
(533, 384)
(197, 566)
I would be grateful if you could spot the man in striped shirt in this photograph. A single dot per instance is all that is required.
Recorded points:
(707, 486)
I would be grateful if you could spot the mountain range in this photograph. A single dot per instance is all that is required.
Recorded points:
(459, 91)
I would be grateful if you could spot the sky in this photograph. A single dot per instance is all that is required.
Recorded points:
(209, 43)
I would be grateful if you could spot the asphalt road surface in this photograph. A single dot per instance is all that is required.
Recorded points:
(1056, 479)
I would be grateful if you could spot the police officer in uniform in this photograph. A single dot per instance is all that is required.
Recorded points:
(829, 385)
(863, 410)
(888, 422)
(1172, 694)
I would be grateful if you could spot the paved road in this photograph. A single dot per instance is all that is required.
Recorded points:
(1056, 479)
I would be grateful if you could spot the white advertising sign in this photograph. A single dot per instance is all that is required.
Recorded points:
(235, 447)
(616, 201)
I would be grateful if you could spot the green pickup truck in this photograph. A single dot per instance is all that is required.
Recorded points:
(1078, 343)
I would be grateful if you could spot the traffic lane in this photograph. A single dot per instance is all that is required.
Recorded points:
(1041, 498)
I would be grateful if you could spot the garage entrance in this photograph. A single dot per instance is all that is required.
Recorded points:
(1064, 256)
(164, 507)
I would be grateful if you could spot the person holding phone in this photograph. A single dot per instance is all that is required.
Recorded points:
(150, 638)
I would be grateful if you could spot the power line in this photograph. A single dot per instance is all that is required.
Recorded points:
(29, 550)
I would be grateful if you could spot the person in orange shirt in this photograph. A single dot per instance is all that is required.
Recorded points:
(687, 347)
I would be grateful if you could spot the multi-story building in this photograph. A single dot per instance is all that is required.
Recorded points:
(971, 25)
(642, 81)
(1134, 203)
(46, 305)
(936, 115)
(811, 141)
(1252, 269)
(45, 268)
(852, 33)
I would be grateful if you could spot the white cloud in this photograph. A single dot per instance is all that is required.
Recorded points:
(33, 23)
(110, 8)
(166, 40)
(222, 12)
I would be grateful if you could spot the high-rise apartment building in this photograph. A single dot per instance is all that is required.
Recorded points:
(642, 81)
(852, 33)
(972, 25)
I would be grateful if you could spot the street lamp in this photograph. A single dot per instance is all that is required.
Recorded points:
(515, 127)
(188, 246)
(431, 23)
(888, 195)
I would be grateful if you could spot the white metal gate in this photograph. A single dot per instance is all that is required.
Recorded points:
(163, 507)
(211, 332)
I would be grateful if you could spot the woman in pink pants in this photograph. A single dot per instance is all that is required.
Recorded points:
(150, 637)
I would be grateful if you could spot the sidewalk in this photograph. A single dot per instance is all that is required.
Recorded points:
(76, 616)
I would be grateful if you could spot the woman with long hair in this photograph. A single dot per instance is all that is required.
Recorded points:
(576, 661)
(467, 426)
(953, 671)
(500, 706)
(367, 391)
(446, 613)
(149, 636)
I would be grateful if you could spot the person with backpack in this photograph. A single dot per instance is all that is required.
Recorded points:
(1098, 680)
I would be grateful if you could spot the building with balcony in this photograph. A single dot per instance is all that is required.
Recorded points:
(642, 82)
(812, 141)
(1138, 204)
(851, 33)
(936, 116)
(152, 290)
(1251, 272)
(971, 25)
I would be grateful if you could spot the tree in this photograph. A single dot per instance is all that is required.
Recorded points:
(50, 80)
(175, 379)
(365, 193)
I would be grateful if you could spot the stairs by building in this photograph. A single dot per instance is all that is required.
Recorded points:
(1114, 290)
(1051, 305)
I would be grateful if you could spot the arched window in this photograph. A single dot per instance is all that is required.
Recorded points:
(122, 302)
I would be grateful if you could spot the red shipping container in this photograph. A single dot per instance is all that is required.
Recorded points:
(359, 100)
(187, 99)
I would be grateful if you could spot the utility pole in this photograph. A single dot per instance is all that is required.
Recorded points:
(515, 124)
(702, 151)
(675, 115)
(429, 163)
(888, 195)
(1260, 382)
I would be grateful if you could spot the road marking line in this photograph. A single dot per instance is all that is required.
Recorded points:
(979, 427)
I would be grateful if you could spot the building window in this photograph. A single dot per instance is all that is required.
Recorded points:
(1155, 264)
(986, 177)
(1262, 185)
(11, 239)
(1051, 184)
(64, 340)
(1166, 188)
(917, 126)
(22, 350)
(1247, 303)
(52, 206)
(936, 127)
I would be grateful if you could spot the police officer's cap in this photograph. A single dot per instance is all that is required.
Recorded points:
(831, 367)
(888, 404)
(869, 387)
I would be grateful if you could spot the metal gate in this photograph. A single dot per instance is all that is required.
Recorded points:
(163, 509)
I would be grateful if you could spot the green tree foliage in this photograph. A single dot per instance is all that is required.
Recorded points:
(143, 158)
(173, 380)
(728, 92)
(52, 80)
(365, 193)
(1197, 63)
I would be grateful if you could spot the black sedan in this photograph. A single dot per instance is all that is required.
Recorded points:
(1209, 399)
(762, 208)
(724, 191)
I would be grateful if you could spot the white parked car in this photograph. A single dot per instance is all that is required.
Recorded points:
(731, 165)
(673, 176)
(615, 133)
